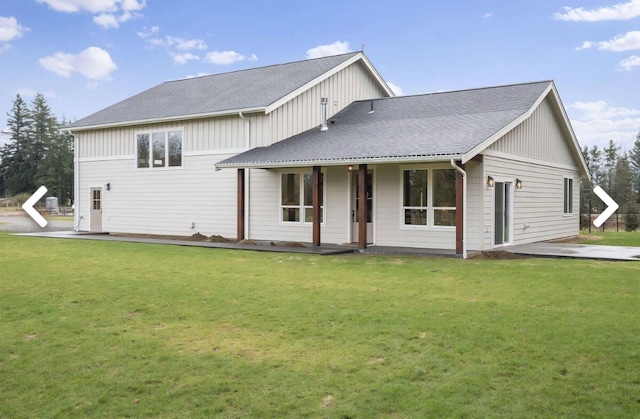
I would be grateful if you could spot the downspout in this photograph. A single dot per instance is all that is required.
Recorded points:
(464, 207)
(247, 177)
(76, 182)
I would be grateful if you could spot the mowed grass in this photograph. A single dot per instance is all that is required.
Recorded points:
(614, 238)
(110, 329)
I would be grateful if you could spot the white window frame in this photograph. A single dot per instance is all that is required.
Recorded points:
(429, 207)
(567, 201)
(302, 208)
(166, 131)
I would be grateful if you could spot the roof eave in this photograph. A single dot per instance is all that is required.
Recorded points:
(338, 161)
(163, 120)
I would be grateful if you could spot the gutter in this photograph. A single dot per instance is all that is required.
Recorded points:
(464, 207)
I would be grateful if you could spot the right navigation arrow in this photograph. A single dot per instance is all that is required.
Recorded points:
(612, 206)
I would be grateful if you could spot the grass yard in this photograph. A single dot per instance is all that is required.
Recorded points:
(613, 238)
(91, 328)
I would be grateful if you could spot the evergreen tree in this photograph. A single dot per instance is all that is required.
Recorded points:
(610, 160)
(16, 171)
(634, 162)
(622, 187)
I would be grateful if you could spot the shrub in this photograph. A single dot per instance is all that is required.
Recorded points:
(631, 222)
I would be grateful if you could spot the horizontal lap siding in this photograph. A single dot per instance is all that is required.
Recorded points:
(540, 202)
(161, 201)
(264, 216)
(475, 219)
(388, 216)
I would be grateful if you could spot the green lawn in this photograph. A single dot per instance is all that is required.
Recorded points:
(613, 238)
(91, 328)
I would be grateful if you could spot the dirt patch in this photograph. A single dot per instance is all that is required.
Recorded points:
(197, 238)
(218, 239)
(249, 242)
(497, 255)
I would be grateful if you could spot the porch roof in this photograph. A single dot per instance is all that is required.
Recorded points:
(429, 127)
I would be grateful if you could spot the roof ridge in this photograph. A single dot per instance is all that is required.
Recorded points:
(262, 67)
(457, 91)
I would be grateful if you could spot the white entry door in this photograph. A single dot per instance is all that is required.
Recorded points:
(502, 213)
(96, 209)
(355, 207)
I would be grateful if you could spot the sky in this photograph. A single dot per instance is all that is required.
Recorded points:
(85, 55)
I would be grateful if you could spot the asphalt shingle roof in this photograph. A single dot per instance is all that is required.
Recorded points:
(244, 89)
(406, 127)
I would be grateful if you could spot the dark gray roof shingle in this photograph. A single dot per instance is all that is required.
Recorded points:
(237, 90)
(407, 127)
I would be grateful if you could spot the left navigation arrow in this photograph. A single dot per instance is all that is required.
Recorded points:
(29, 203)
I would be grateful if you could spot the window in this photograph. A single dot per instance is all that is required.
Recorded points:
(568, 195)
(159, 149)
(429, 197)
(297, 198)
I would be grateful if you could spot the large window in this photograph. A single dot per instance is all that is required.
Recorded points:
(159, 149)
(429, 197)
(568, 195)
(297, 198)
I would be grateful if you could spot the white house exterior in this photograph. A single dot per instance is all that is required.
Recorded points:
(246, 155)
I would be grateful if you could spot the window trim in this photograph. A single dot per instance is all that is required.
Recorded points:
(567, 201)
(302, 207)
(430, 208)
(166, 165)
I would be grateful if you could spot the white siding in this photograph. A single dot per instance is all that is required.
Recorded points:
(475, 219)
(539, 204)
(161, 201)
(540, 137)
(304, 111)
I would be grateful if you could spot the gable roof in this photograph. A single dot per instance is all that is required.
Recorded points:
(430, 127)
(256, 89)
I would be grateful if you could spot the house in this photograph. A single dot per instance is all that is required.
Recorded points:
(320, 151)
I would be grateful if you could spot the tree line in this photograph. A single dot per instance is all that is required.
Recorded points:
(618, 173)
(38, 152)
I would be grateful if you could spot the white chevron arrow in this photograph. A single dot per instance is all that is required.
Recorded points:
(612, 206)
(29, 203)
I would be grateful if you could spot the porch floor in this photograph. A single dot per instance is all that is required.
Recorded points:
(307, 248)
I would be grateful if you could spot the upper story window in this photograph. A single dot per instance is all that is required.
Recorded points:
(159, 149)
(429, 197)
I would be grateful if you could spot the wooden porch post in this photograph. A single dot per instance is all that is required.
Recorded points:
(316, 191)
(459, 212)
(241, 205)
(362, 207)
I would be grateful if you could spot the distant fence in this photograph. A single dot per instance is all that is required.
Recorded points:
(614, 223)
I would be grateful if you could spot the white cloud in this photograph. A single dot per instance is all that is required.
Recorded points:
(227, 57)
(93, 63)
(185, 58)
(395, 89)
(10, 29)
(487, 15)
(585, 45)
(109, 13)
(628, 63)
(595, 123)
(147, 33)
(326, 50)
(622, 11)
(626, 42)
(185, 44)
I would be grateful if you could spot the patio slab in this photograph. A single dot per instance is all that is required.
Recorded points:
(577, 251)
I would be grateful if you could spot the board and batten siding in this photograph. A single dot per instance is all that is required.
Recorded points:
(304, 111)
(539, 137)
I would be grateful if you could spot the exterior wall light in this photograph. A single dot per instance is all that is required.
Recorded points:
(490, 181)
(108, 186)
(518, 184)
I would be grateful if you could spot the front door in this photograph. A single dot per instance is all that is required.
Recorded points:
(502, 214)
(96, 209)
(355, 206)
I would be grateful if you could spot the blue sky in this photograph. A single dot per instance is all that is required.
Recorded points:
(84, 55)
